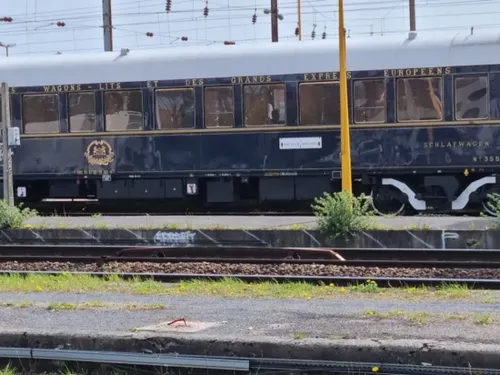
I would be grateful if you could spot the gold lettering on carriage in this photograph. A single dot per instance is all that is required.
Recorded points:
(417, 72)
(457, 144)
(110, 86)
(99, 153)
(92, 171)
(62, 88)
(251, 79)
(194, 82)
(327, 76)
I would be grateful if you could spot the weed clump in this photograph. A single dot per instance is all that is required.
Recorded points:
(12, 216)
(493, 207)
(341, 214)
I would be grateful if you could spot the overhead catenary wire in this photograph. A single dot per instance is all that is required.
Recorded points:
(86, 19)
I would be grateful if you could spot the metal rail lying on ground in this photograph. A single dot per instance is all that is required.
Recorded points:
(234, 363)
(137, 359)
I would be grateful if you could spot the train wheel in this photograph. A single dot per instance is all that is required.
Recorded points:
(386, 204)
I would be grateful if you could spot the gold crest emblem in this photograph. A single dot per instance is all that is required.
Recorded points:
(99, 153)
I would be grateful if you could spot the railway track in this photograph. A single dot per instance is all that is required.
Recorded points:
(391, 267)
(267, 261)
(231, 253)
(384, 282)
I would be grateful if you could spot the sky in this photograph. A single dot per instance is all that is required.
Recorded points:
(34, 30)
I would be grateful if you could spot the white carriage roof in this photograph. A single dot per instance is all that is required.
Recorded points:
(288, 57)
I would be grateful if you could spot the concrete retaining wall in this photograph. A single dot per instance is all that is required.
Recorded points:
(466, 239)
(403, 351)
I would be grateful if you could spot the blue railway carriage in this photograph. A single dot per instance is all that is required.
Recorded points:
(222, 124)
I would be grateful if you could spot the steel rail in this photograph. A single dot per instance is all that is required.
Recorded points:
(228, 251)
(337, 280)
(234, 363)
(263, 261)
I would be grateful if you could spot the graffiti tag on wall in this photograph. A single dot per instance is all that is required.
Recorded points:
(174, 238)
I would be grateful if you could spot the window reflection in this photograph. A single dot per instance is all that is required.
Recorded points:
(81, 112)
(175, 109)
(123, 110)
(369, 101)
(219, 107)
(419, 99)
(319, 103)
(41, 114)
(471, 98)
(264, 104)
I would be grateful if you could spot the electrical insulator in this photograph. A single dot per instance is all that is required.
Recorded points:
(296, 31)
(149, 34)
(60, 24)
(254, 18)
(323, 36)
(7, 19)
(168, 6)
(184, 38)
(313, 34)
(205, 10)
(229, 43)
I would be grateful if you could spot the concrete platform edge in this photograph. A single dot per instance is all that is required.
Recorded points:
(417, 352)
(421, 239)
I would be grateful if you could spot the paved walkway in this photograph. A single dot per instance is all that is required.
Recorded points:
(348, 318)
(252, 222)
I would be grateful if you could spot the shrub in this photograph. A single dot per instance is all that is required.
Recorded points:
(343, 214)
(493, 204)
(12, 216)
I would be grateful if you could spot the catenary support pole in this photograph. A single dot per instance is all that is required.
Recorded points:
(345, 142)
(274, 20)
(413, 21)
(299, 19)
(8, 188)
(107, 24)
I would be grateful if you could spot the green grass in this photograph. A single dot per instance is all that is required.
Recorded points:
(421, 317)
(418, 317)
(224, 288)
(63, 370)
(484, 319)
(299, 335)
(104, 305)
(8, 370)
(61, 306)
(20, 305)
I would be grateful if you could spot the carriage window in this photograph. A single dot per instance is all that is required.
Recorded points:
(81, 112)
(264, 104)
(369, 101)
(41, 114)
(123, 110)
(319, 103)
(419, 99)
(471, 99)
(219, 107)
(175, 109)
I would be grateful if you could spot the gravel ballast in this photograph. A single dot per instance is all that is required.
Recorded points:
(254, 269)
